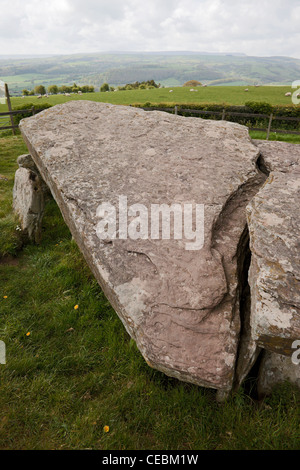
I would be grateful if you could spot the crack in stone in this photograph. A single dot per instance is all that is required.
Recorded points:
(247, 353)
(235, 205)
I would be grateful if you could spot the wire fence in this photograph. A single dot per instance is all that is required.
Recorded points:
(225, 115)
(6, 119)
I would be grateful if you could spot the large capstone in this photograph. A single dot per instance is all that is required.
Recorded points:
(185, 302)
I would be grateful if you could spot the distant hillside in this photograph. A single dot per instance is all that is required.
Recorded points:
(167, 68)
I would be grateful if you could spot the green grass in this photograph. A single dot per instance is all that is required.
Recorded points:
(234, 95)
(291, 138)
(231, 95)
(25, 78)
(78, 370)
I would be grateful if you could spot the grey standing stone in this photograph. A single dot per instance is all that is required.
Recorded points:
(28, 198)
(274, 220)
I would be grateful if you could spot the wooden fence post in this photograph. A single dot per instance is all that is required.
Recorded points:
(9, 108)
(223, 115)
(176, 110)
(269, 126)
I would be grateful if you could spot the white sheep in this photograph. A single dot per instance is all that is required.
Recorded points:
(170, 91)
(246, 89)
(288, 94)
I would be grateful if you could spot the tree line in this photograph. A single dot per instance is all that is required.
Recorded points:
(54, 89)
(146, 85)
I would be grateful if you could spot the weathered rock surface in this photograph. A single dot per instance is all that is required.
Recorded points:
(181, 307)
(274, 278)
(28, 197)
(26, 161)
(192, 313)
(275, 369)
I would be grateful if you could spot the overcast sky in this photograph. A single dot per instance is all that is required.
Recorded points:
(255, 27)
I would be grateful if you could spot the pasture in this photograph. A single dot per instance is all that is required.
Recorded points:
(227, 95)
(234, 95)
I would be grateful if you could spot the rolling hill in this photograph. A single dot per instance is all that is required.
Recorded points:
(167, 68)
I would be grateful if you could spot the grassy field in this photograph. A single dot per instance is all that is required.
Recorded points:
(72, 371)
(221, 95)
(234, 95)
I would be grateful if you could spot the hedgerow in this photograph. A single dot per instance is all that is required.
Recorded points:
(251, 107)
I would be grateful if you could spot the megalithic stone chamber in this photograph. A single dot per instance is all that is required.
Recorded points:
(187, 309)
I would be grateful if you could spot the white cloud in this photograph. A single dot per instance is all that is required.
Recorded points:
(259, 27)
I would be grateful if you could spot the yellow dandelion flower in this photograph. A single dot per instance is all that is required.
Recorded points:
(5, 297)
(28, 334)
(76, 307)
(106, 429)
